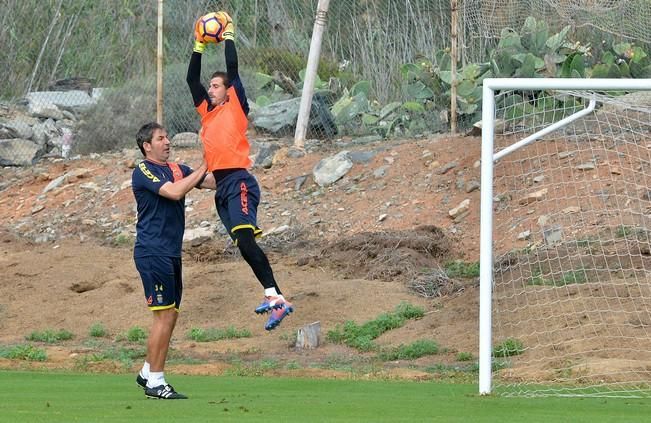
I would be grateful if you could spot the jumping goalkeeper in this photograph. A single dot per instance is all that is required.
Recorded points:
(223, 109)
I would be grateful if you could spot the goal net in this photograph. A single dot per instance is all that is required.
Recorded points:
(566, 238)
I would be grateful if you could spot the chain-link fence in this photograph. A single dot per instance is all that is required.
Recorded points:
(82, 77)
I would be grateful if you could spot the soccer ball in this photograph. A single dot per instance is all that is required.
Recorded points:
(210, 27)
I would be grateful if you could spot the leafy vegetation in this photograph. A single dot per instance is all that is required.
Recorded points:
(508, 348)
(566, 278)
(461, 269)
(214, 334)
(114, 121)
(465, 356)
(361, 337)
(50, 336)
(411, 351)
(27, 352)
(133, 334)
(97, 330)
(124, 355)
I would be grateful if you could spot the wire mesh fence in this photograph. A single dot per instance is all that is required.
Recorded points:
(82, 77)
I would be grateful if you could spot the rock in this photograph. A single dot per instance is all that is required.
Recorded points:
(44, 131)
(295, 153)
(277, 230)
(197, 236)
(472, 186)
(524, 235)
(47, 111)
(553, 235)
(331, 169)
(533, 197)
(91, 186)
(445, 169)
(265, 156)
(17, 129)
(368, 139)
(280, 156)
(185, 139)
(498, 126)
(73, 100)
(380, 172)
(54, 184)
(462, 208)
(279, 119)
(299, 182)
(18, 152)
(586, 166)
(361, 157)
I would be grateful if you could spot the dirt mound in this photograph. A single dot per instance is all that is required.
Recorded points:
(387, 256)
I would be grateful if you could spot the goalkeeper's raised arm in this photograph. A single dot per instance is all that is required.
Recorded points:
(220, 82)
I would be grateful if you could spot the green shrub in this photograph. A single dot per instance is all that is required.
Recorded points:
(411, 351)
(464, 356)
(461, 269)
(409, 311)
(124, 239)
(97, 330)
(508, 348)
(124, 355)
(50, 336)
(361, 337)
(25, 352)
(270, 59)
(112, 124)
(213, 334)
(136, 334)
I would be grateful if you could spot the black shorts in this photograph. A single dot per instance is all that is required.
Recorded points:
(162, 281)
(236, 200)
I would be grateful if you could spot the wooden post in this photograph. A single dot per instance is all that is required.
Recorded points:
(308, 336)
(310, 74)
(159, 66)
(453, 67)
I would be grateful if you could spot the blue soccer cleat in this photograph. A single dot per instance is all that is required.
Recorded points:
(270, 303)
(277, 316)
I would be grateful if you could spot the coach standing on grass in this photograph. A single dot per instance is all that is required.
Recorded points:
(160, 187)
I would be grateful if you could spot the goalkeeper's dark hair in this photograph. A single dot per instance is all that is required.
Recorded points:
(146, 133)
(224, 77)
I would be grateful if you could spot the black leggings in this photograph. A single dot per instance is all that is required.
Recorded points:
(256, 258)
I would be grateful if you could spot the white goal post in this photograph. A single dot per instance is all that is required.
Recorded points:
(565, 238)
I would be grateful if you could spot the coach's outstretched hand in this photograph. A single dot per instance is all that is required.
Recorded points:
(228, 33)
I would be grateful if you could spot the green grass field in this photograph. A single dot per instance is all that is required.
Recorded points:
(65, 397)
